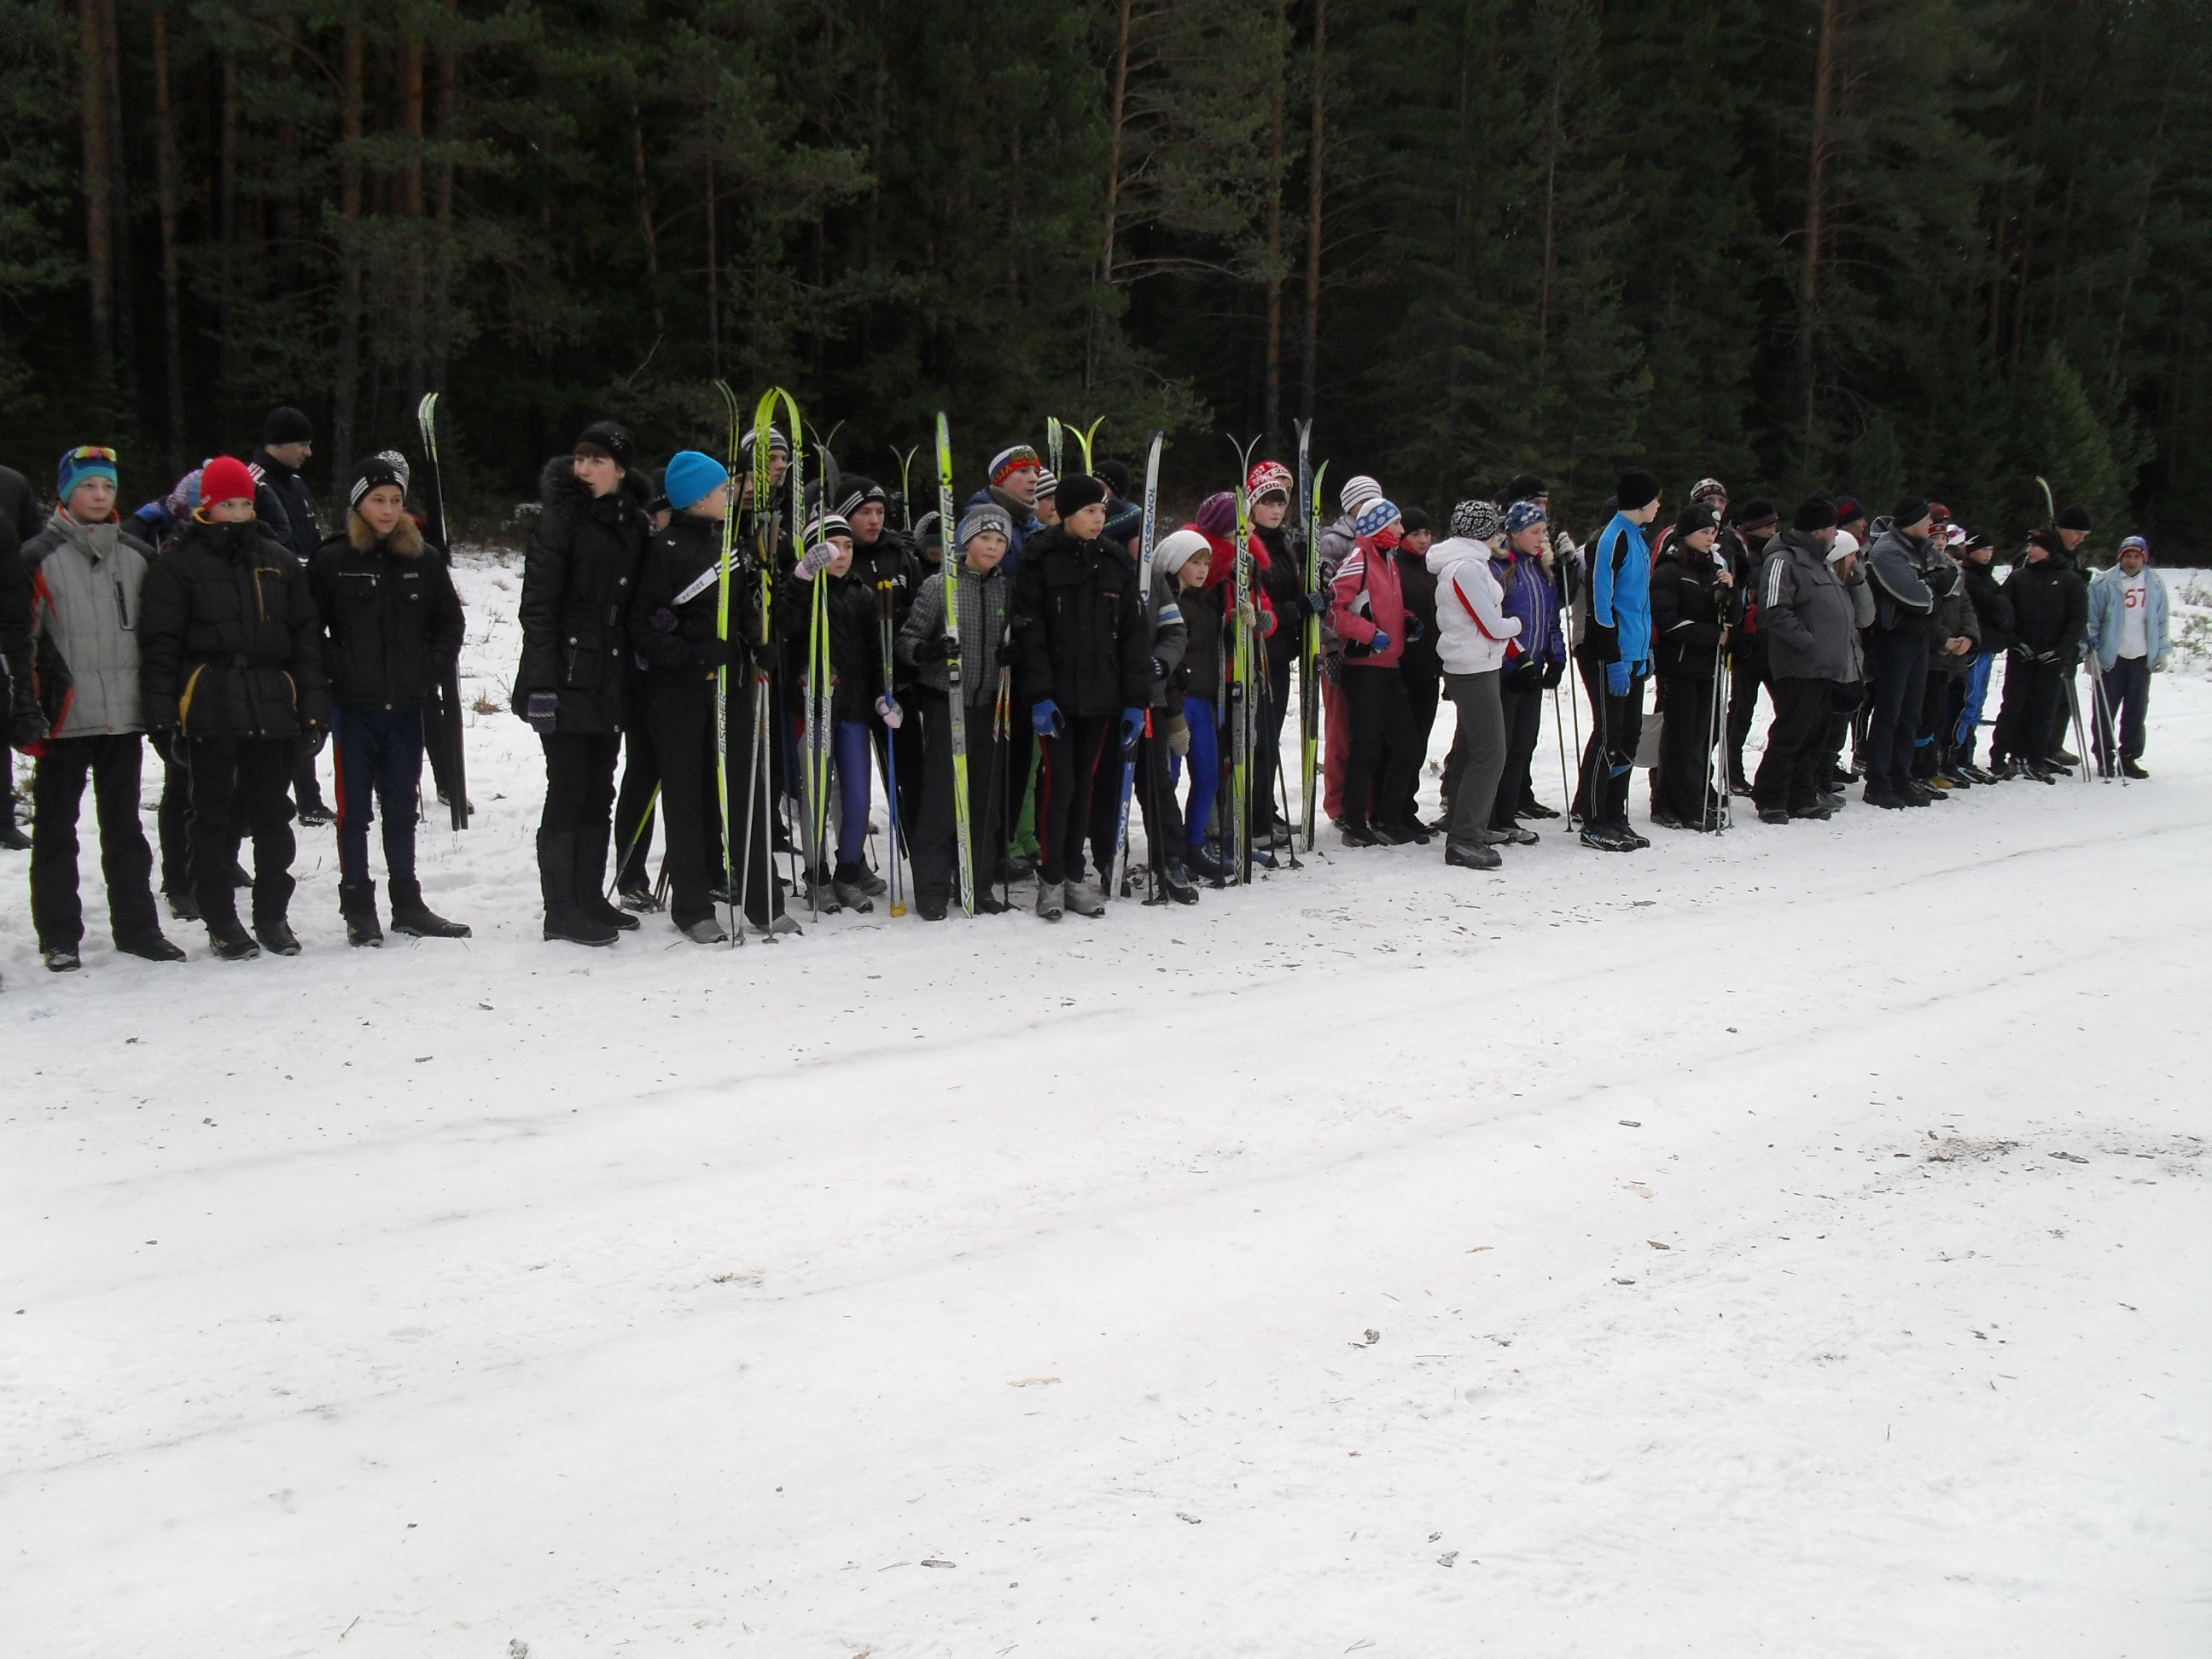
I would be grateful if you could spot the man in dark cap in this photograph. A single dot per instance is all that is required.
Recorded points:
(1897, 656)
(1807, 619)
(282, 501)
(1616, 659)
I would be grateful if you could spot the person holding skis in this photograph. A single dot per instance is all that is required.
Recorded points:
(854, 673)
(1083, 667)
(1167, 741)
(1337, 541)
(1535, 658)
(980, 595)
(1616, 657)
(2130, 636)
(1955, 638)
(1268, 486)
(87, 578)
(1993, 623)
(886, 563)
(391, 626)
(1476, 639)
(2051, 614)
(230, 660)
(571, 684)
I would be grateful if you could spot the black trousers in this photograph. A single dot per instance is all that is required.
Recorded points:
(934, 836)
(379, 771)
(1380, 768)
(2033, 694)
(2123, 691)
(580, 781)
(1609, 757)
(1424, 693)
(679, 731)
(1078, 797)
(1941, 698)
(1747, 673)
(112, 762)
(1156, 796)
(1267, 756)
(173, 819)
(633, 808)
(1897, 671)
(1683, 784)
(238, 787)
(1523, 709)
(1790, 775)
(306, 792)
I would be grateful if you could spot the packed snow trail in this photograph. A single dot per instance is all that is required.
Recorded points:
(1280, 1277)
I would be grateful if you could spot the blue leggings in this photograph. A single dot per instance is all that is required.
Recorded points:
(1969, 717)
(1205, 767)
(850, 756)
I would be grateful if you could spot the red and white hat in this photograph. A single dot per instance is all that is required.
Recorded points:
(1269, 478)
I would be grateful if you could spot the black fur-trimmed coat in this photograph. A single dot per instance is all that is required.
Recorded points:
(578, 580)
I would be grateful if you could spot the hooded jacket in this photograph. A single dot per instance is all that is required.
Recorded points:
(668, 636)
(983, 602)
(229, 643)
(391, 620)
(1804, 612)
(87, 582)
(1080, 634)
(286, 504)
(1686, 607)
(577, 581)
(1473, 630)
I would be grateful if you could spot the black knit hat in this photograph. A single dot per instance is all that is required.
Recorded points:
(1814, 512)
(1909, 511)
(1114, 475)
(1411, 519)
(287, 425)
(373, 474)
(2075, 517)
(1077, 491)
(1698, 515)
(1757, 514)
(1847, 508)
(613, 438)
(1524, 488)
(1636, 488)
(856, 491)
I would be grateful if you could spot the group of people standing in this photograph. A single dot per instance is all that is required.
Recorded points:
(750, 719)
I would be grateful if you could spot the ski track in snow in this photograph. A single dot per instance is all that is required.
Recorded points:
(1277, 1277)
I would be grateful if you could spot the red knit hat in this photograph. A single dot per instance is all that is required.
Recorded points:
(224, 479)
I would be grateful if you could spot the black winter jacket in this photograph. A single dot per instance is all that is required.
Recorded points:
(856, 656)
(577, 581)
(679, 641)
(1080, 636)
(287, 505)
(1687, 606)
(1992, 609)
(1286, 589)
(1202, 672)
(391, 620)
(2049, 601)
(229, 645)
(892, 558)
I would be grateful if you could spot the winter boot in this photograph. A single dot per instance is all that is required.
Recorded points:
(1775, 815)
(591, 876)
(1471, 855)
(11, 833)
(2130, 769)
(61, 959)
(1175, 883)
(1051, 901)
(1084, 896)
(819, 889)
(850, 883)
(150, 946)
(931, 908)
(557, 884)
(226, 935)
(184, 906)
(276, 933)
(707, 931)
(410, 916)
(1356, 834)
(357, 904)
(1199, 860)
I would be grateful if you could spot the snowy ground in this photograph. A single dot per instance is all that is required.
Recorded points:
(1780, 1244)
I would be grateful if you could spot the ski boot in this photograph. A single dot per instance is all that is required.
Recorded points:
(357, 905)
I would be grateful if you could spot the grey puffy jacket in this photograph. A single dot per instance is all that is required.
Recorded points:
(1804, 612)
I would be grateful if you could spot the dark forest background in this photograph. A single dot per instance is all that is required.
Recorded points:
(1863, 243)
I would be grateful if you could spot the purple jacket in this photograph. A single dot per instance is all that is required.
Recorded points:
(1530, 596)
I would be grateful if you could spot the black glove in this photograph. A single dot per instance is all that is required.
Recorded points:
(715, 653)
(1159, 668)
(936, 647)
(1553, 673)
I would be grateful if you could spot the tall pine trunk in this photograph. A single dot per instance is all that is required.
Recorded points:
(1816, 209)
(1116, 136)
(347, 390)
(99, 198)
(441, 264)
(165, 190)
(1311, 367)
(410, 204)
(1272, 409)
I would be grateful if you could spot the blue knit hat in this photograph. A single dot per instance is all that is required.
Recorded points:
(1377, 516)
(86, 461)
(1522, 514)
(692, 477)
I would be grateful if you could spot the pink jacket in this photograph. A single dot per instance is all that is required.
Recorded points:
(1368, 580)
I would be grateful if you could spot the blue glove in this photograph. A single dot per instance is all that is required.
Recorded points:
(1045, 719)
(1616, 679)
(1132, 727)
(1380, 643)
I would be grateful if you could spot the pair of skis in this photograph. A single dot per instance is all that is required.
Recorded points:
(1310, 655)
(451, 715)
(1144, 543)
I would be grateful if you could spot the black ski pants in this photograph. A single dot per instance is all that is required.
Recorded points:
(1747, 673)
(2033, 694)
(1683, 783)
(634, 805)
(112, 763)
(239, 790)
(1425, 690)
(1380, 768)
(1609, 757)
(1267, 755)
(1897, 670)
(1521, 707)
(1078, 797)
(1789, 774)
(934, 835)
(679, 724)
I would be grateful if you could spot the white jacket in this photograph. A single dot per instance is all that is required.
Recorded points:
(1472, 626)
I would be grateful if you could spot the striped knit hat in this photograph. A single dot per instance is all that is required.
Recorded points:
(1359, 490)
(1011, 460)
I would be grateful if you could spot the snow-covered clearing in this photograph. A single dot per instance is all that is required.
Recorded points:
(1779, 1243)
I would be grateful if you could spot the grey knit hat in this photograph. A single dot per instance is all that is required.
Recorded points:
(1477, 520)
(983, 519)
